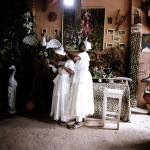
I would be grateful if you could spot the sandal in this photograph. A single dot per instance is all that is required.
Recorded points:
(74, 126)
(62, 123)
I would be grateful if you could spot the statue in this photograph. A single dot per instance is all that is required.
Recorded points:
(87, 44)
(12, 85)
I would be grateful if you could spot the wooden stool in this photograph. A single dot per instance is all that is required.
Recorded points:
(112, 93)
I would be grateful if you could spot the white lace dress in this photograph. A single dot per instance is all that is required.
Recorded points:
(81, 102)
(61, 92)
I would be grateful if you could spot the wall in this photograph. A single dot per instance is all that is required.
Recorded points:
(111, 11)
(111, 8)
(42, 17)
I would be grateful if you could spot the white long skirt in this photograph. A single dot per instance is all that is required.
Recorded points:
(60, 97)
(81, 102)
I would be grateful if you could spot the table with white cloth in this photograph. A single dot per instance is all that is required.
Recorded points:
(98, 89)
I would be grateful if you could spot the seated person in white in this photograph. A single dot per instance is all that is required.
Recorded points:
(61, 87)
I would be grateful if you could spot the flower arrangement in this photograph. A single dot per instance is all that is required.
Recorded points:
(12, 35)
(28, 22)
(92, 27)
(86, 25)
(113, 58)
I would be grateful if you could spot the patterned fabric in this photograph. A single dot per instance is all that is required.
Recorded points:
(135, 47)
(98, 89)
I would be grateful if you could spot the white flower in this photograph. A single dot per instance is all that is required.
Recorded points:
(28, 32)
(30, 24)
(24, 25)
(28, 14)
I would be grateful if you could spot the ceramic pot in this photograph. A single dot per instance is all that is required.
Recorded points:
(30, 105)
(146, 98)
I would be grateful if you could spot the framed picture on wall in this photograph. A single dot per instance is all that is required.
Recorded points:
(145, 42)
(122, 45)
(121, 32)
(110, 31)
(109, 45)
(116, 38)
(56, 31)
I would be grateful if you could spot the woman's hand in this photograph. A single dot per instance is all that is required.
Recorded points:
(60, 66)
(65, 49)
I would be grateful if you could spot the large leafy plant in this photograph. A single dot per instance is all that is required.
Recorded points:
(12, 47)
(113, 58)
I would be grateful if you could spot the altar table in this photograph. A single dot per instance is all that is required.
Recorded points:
(98, 89)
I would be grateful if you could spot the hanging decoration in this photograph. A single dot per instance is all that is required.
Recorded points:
(134, 70)
(86, 25)
(121, 20)
(52, 16)
(137, 16)
(92, 27)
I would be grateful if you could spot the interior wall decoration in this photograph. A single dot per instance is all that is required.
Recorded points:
(145, 42)
(116, 38)
(52, 16)
(110, 20)
(69, 35)
(121, 32)
(52, 2)
(110, 31)
(109, 45)
(90, 26)
(119, 19)
(122, 45)
(134, 64)
(137, 16)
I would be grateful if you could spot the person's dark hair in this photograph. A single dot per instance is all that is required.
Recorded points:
(80, 45)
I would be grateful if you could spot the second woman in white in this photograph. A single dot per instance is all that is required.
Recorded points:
(61, 87)
(81, 101)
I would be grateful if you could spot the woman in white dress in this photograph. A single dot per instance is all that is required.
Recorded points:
(81, 101)
(61, 87)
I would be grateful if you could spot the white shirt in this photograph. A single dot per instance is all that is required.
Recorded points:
(83, 63)
(146, 49)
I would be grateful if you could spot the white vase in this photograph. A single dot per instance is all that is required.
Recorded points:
(43, 41)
